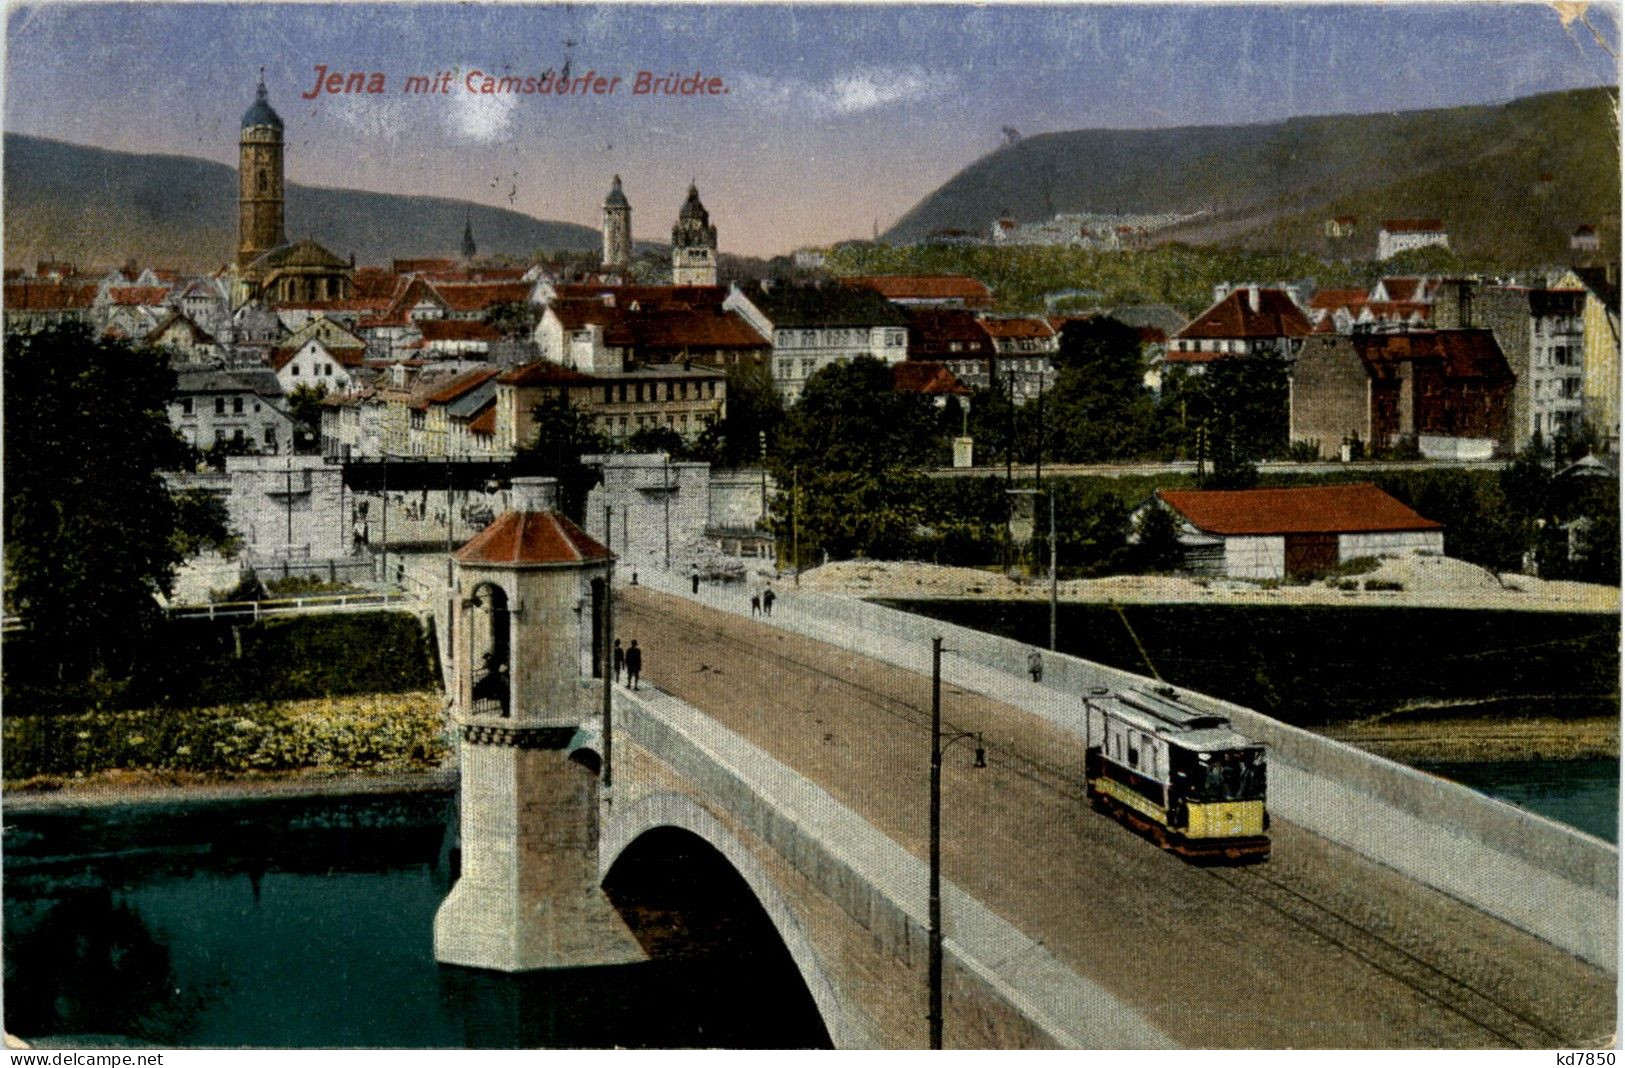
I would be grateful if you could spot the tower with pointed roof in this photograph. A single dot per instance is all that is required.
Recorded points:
(693, 244)
(469, 248)
(617, 229)
(529, 599)
(259, 180)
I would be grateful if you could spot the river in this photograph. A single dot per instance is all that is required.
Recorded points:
(307, 923)
(1314, 666)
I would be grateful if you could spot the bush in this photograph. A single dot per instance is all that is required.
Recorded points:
(376, 732)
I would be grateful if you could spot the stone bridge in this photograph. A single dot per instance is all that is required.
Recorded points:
(1397, 910)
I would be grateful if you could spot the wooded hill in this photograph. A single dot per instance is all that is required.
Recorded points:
(1510, 181)
(93, 206)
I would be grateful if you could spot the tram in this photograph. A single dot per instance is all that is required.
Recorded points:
(1179, 775)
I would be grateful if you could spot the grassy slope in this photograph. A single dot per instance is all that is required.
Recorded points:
(1272, 185)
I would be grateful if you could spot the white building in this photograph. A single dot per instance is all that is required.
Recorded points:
(812, 327)
(1277, 533)
(1403, 235)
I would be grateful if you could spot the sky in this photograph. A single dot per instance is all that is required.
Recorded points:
(835, 118)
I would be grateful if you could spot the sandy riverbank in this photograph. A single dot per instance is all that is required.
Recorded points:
(1422, 582)
(1481, 740)
(120, 787)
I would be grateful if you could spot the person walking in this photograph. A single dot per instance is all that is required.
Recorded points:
(755, 604)
(634, 664)
(768, 597)
(1035, 666)
(619, 658)
(694, 577)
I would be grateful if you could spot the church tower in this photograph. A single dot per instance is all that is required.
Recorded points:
(617, 229)
(693, 244)
(470, 250)
(259, 181)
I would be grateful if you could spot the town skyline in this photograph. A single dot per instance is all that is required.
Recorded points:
(787, 98)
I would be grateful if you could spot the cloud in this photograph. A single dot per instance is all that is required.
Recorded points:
(481, 118)
(851, 93)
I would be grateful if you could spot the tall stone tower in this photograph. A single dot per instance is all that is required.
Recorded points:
(693, 244)
(259, 181)
(529, 601)
(470, 250)
(617, 229)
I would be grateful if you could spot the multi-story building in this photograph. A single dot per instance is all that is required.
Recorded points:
(1247, 321)
(1541, 332)
(812, 327)
(1600, 341)
(244, 409)
(682, 398)
(1024, 351)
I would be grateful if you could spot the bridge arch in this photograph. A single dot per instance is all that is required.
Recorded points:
(669, 809)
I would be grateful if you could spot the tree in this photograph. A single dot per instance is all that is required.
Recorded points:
(563, 436)
(512, 319)
(657, 439)
(856, 447)
(305, 406)
(91, 527)
(754, 416)
(1099, 408)
(1158, 548)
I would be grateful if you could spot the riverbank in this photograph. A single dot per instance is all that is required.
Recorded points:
(120, 787)
(1410, 580)
(1480, 740)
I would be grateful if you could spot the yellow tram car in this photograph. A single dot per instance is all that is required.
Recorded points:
(1181, 776)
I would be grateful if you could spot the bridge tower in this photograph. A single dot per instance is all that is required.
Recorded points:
(527, 589)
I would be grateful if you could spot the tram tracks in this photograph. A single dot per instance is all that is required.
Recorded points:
(1481, 1009)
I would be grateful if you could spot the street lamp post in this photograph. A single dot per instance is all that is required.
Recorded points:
(934, 892)
(1054, 591)
(665, 484)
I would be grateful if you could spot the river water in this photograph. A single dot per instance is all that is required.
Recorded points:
(1313, 666)
(309, 923)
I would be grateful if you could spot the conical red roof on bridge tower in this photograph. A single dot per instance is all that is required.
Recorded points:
(532, 539)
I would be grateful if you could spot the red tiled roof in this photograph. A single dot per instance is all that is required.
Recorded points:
(1233, 317)
(1411, 226)
(924, 287)
(410, 266)
(458, 330)
(134, 295)
(926, 376)
(48, 296)
(1332, 299)
(486, 421)
(374, 283)
(343, 355)
(648, 297)
(1403, 288)
(676, 329)
(933, 329)
(1017, 328)
(460, 385)
(1347, 509)
(575, 313)
(478, 296)
(543, 373)
(373, 303)
(1463, 353)
(531, 538)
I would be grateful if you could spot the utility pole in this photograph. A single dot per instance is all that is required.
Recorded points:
(607, 663)
(665, 484)
(1053, 592)
(934, 895)
(1038, 448)
(448, 520)
(288, 553)
(386, 519)
(795, 518)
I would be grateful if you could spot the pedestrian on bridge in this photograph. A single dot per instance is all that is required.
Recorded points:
(1035, 665)
(634, 664)
(755, 604)
(619, 656)
(694, 577)
(768, 597)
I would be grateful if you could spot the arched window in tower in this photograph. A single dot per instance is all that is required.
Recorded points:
(265, 181)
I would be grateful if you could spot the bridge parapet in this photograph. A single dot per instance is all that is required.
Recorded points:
(1543, 877)
(848, 902)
